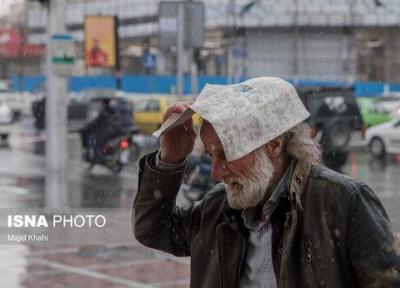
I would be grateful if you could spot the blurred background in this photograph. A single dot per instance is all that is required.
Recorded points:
(84, 83)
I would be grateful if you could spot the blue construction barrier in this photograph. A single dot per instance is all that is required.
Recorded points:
(166, 84)
(77, 84)
(31, 83)
(368, 89)
(394, 87)
(320, 83)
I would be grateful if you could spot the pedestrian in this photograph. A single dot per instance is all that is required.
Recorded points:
(278, 218)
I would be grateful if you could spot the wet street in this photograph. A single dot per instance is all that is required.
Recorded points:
(111, 257)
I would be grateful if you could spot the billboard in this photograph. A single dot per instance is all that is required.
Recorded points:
(101, 41)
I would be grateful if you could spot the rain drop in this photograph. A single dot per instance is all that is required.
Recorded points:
(157, 194)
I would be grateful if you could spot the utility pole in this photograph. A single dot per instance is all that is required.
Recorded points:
(182, 25)
(180, 49)
(193, 73)
(296, 43)
(56, 117)
(190, 53)
(232, 43)
(349, 64)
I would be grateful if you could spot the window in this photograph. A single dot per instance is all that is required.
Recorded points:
(153, 106)
(141, 106)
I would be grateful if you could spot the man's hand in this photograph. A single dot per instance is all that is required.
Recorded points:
(177, 144)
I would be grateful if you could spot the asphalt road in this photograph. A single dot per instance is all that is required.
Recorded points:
(113, 258)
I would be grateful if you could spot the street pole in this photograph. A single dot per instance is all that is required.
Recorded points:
(296, 44)
(193, 73)
(351, 44)
(180, 50)
(56, 117)
(232, 43)
(388, 59)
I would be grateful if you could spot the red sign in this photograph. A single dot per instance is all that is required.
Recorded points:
(11, 45)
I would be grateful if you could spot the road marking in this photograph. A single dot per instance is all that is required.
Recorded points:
(92, 274)
(99, 267)
(78, 248)
(122, 264)
(55, 251)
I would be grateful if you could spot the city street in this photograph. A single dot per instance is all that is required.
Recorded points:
(111, 257)
(116, 71)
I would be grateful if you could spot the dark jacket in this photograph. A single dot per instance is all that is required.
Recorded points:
(104, 127)
(329, 231)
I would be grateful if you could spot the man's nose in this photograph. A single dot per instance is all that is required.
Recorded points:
(219, 170)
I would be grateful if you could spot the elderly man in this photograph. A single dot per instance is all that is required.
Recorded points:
(278, 218)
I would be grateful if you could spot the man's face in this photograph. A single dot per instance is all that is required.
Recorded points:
(246, 179)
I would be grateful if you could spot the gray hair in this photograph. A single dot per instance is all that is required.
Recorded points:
(300, 144)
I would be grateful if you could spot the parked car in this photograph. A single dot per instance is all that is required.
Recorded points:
(78, 105)
(148, 112)
(379, 109)
(384, 138)
(13, 100)
(6, 119)
(335, 115)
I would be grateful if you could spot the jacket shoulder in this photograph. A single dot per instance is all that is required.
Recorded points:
(213, 203)
(334, 178)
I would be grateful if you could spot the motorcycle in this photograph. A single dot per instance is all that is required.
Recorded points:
(114, 154)
(197, 180)
(134, 146)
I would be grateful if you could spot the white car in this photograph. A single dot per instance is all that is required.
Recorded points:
(384, 138)
(6, 120)
(19, 102)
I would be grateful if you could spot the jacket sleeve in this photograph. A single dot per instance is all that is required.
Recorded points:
(374, 247)
(157, 222)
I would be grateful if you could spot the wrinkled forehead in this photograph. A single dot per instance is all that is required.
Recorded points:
(209, 136)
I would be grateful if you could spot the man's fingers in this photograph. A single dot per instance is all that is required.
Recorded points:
(176, 108)
(189, 127)
(187, 104)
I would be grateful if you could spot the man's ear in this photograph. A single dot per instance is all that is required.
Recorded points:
(274, 148)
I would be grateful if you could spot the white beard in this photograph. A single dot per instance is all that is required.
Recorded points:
(249, 191)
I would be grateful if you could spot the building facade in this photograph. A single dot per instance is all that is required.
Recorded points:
(336, 40)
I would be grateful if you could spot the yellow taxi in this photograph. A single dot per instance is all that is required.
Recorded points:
(148, 111)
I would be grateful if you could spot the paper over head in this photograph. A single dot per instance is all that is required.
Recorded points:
(174, 120)
(247, 115)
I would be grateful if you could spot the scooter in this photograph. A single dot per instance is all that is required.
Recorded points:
(197, 180)
(134, 146)
(114, 154)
